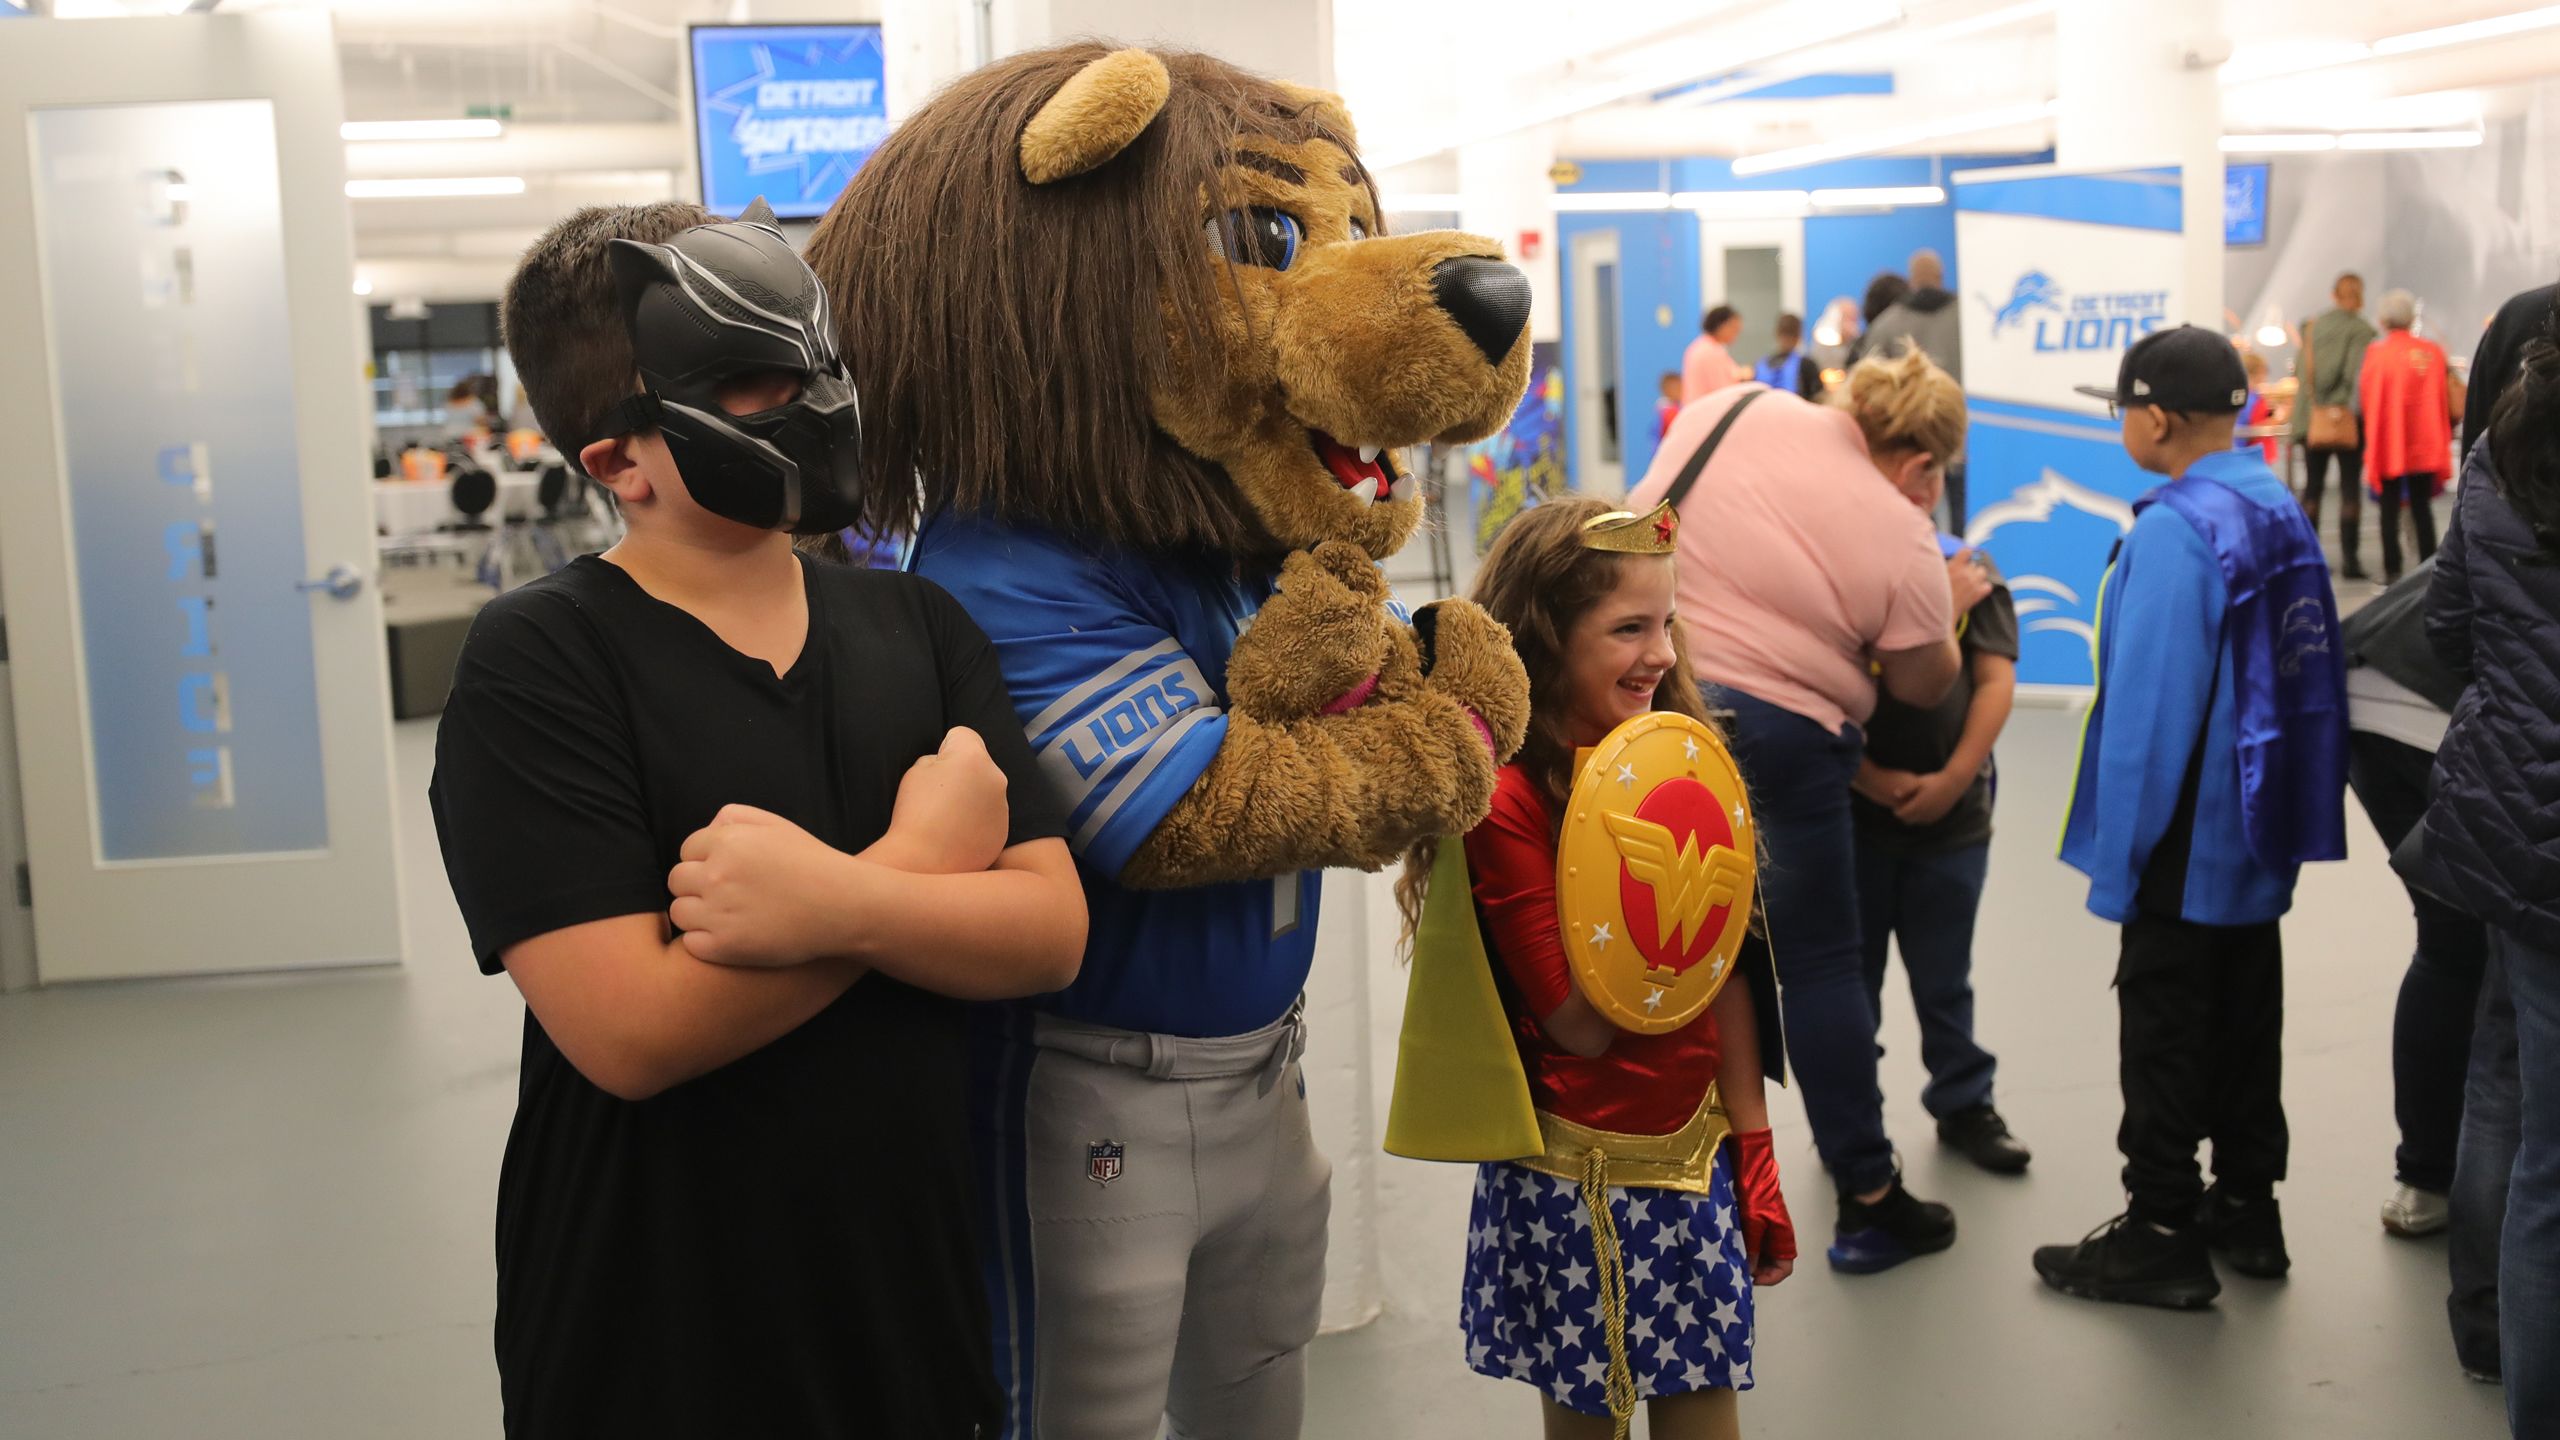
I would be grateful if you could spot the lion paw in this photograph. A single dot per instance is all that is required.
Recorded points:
(1472, 662)
(1322, 636)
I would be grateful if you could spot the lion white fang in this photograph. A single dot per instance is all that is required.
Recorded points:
(1367, 490)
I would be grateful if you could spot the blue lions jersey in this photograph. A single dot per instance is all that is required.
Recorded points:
(1118, 666)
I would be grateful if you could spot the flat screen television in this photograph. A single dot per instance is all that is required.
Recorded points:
(787, 112)
(2244, 204)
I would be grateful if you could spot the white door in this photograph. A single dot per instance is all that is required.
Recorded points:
(1598, 467)
(203, 732)
(1757, 267)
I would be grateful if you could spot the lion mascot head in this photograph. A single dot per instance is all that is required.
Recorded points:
(1147, 298)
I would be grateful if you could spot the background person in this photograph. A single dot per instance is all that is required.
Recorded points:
(2489, 842)
(1923, 807)
(1882, 291)
(2407, 401)
(2399, 698)
(1928, 319)
(2212, 765)
(1800, 573)
(1708, 364)
(2325, 424)
(1787, 368)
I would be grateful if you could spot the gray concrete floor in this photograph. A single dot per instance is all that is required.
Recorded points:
(263, 1208)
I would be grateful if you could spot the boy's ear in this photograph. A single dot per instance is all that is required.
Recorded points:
(610, 463)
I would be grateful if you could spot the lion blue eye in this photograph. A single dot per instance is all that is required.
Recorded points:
(1257, 236)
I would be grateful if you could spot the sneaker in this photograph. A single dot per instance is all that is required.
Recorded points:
(2247, 1233)
(1896, 1227)
(1984, 1138)
(2412, 1212)
(2134, 1262)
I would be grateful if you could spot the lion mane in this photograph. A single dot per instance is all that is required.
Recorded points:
(998, 324)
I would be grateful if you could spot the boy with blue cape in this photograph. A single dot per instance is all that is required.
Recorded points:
(2213, 766)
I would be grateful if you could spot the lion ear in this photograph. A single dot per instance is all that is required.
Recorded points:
(1094, 116)
(1323, 106)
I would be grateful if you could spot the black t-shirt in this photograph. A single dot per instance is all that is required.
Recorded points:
(777, 1248)
(1906, 737)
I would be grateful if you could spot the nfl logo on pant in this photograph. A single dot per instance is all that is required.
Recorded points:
(1102, 1161)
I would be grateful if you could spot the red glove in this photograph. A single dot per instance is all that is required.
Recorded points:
(1767, 1234)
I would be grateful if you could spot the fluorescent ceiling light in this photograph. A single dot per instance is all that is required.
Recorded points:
(363, 286)
(420, 130)
(1744, 204)
(1612, 200)
(2409, 140)
(2267, 62)
(1822, 24)
(2276, 144)
(2469, 31)
(2350, 140)
(2291, 57)
(1879, 195)
(1395, 204)
(1878, 141)
(434, 189)
(1988, 21)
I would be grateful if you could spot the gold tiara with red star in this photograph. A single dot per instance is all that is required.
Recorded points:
(1629, 533)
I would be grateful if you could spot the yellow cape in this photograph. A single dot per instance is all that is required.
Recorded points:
(1460, 1093)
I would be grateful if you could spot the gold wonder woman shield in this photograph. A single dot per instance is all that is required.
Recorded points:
(1654, 872)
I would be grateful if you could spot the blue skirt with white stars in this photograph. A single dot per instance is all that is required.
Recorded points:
(1531, 1311)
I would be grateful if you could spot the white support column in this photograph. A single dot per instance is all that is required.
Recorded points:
(1505, 195)
(2137, 87)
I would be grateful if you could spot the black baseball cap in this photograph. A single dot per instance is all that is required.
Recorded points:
(2186, 368)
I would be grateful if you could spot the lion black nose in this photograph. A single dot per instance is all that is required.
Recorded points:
(1488, 299)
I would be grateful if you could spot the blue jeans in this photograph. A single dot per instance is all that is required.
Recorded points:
(2483, 1162)
(2529, 1263)
(1799, 775)
(1927, 902)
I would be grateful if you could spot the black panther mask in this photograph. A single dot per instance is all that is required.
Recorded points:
(723, 301)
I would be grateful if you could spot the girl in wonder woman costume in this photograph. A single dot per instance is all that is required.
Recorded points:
(1587, 593)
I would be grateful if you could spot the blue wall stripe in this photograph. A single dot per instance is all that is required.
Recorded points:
(2138, 200)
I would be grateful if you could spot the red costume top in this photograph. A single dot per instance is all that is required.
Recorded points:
(2408, 427)
(1642, 1084)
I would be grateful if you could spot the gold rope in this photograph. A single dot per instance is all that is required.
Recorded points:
(1621, 1389)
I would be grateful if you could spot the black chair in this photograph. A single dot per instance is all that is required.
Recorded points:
(473, 491)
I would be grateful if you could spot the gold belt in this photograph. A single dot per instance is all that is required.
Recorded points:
(1681, 1160)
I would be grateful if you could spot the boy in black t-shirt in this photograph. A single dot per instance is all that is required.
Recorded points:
(735, 823)
(1922, 804)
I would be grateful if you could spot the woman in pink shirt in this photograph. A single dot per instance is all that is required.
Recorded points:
(1804, 576)
(1708, 364)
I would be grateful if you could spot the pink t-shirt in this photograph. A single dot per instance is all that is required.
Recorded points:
(1798, 561)
(1706, 367)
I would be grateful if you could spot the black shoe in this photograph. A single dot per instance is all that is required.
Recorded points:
(2133, 1262)
(2355, 571)
(1984, 1138)
(1896, 1227)
(2249, 1234)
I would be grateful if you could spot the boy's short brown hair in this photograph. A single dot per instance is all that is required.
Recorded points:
(562, 320)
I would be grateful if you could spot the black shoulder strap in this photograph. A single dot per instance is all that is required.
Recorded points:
(1689, 473)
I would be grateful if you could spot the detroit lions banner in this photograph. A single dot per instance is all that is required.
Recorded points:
(2063, 271)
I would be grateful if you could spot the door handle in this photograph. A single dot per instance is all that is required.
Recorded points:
(342, 583)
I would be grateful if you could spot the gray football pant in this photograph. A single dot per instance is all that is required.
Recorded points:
(1184, 1290)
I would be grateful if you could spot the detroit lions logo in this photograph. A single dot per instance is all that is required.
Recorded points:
(2054, 523)
(2035, 291)
(2303, 632)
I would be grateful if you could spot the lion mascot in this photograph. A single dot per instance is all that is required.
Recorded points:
(1131, 320)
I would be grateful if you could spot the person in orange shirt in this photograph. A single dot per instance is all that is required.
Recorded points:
(2408, 427)
(1708, 364)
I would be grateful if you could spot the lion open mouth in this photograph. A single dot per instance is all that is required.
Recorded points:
(1366, 471)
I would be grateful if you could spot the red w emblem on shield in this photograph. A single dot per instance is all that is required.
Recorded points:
(1102, 1161)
